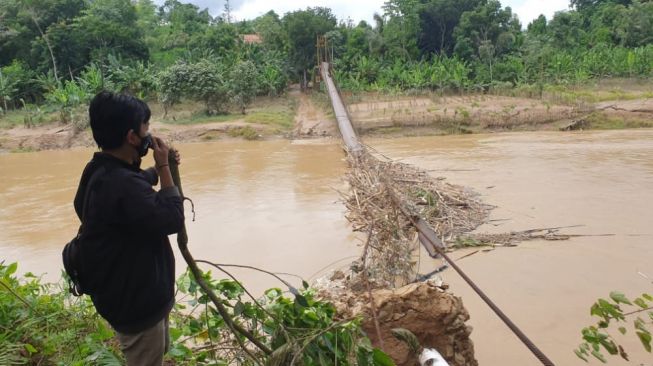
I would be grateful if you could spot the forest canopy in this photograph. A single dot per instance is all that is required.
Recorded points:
(61, 51)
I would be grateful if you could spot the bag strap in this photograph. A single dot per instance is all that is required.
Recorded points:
(87, 194)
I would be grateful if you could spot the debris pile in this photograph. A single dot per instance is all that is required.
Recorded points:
(383, 197)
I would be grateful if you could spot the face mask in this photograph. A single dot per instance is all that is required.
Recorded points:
(146, 143)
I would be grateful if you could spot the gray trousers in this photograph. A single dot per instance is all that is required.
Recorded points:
(147, 347)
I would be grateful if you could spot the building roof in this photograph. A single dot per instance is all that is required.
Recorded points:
(252, 38)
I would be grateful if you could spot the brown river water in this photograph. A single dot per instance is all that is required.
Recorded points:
(275, 205)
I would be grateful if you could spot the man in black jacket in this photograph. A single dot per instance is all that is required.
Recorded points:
(127, 264)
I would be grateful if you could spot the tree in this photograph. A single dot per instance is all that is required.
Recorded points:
(303, 27)
(401, 28)
(437, 21)
(242, 84)
(181, 25)
(488, 23)
(25, 33)
(538, 26)
(269, 27)
(566, 30)
(588, 6)
(110, 27)
(202, 80)
(221, 38)
(638, 29)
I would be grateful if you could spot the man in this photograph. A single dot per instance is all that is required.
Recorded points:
(127, 264)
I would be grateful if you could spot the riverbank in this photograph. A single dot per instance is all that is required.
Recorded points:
(613, 104)
(609, 104)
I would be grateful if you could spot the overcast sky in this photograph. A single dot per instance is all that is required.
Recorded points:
(357, 10)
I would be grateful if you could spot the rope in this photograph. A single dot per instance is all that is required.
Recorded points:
(513, 327)
(522, 337)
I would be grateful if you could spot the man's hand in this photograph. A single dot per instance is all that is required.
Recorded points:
(160, 152)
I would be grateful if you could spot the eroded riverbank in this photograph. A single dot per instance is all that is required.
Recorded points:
(302, 116)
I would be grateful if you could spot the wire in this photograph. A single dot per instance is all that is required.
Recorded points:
(291, 288)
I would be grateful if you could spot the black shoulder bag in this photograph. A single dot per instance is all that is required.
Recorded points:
(72, 251)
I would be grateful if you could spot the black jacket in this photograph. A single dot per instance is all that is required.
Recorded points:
(127, 265)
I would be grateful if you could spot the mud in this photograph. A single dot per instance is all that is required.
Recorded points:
(427, 309)
(312, 121)
(467, 113)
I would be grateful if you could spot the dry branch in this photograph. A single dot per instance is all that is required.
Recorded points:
(385, 195)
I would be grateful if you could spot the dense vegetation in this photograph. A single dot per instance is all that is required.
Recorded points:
(44, 325)
(60, 52)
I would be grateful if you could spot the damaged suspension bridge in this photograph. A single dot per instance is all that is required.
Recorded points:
(359, 156)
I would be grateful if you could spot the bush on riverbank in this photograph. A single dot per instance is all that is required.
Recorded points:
(43, 324)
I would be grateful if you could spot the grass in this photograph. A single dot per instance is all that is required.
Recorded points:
(17, 118)
(22, 150)
(279, 115)
(602, 121)
(276, 112)
(321, 101)
(44, 115)
(200, 119)
(246, 132)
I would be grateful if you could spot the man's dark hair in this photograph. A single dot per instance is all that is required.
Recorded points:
(113, 115)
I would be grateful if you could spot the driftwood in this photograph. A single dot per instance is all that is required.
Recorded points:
(386, 197)
(513, 238)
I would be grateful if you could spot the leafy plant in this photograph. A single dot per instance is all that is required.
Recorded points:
(597, 338)
(44, 324)
(66, 97)
(299, 329)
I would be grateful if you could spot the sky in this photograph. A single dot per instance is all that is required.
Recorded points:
(358, 10)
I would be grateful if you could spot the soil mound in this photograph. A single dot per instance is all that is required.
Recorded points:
(427, 309)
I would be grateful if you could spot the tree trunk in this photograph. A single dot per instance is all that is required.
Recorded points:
(47, 43)
(443, 30)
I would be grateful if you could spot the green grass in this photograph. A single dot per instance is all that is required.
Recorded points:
(283, 119)
(17, 118)
(12, 119)
(45, 115)
(247, 132)
(201, 119)
(276, 112)
(601, 121)
(22, 150)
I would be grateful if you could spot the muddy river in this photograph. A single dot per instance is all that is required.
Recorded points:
(275, 205)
